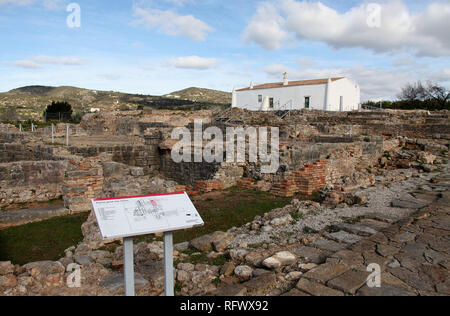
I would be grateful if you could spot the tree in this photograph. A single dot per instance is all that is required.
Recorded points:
(413, 92)
(58, 110)
(438, 93)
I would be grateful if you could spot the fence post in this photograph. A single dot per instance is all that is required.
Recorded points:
(53, 134)
(67, 134)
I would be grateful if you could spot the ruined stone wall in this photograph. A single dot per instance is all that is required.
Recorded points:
(31, 181)
(18, 152)
(82, 183)
(145, 156)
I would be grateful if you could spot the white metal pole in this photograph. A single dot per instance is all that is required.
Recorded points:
(128, 258)
(67, 134)
(20, 127)
(168, 264)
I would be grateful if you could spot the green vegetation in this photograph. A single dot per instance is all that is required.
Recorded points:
(234, 208)
(48, 239)
(45, 240)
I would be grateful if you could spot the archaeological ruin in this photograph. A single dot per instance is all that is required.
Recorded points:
(363, 187)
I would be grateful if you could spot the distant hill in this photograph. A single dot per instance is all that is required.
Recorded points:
(31, 101)
(201, 95)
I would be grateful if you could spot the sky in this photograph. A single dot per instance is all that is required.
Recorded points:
(159, 46)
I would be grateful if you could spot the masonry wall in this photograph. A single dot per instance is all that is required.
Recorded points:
(31, 181)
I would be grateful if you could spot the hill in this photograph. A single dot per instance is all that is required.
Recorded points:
(201, 95)
(31, 101)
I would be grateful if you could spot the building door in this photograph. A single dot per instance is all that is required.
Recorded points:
(271, 104)
(307, 102)
(341, 104)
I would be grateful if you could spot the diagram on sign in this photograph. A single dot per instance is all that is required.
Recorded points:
(148, 214)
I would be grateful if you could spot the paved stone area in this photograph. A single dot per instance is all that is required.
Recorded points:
(413, 254)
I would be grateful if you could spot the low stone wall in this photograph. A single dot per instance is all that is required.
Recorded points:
(145, 156)
(31, 181)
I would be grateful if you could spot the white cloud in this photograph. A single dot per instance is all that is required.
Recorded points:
(70, 61)
(40, 61)
(171, 23)
(48, 4)
(16, 2)
(194, 62)
(266, 28)
(423, 34)
(28, 64)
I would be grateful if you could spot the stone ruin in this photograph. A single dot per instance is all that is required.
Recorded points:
(113, 154)
(332, 155)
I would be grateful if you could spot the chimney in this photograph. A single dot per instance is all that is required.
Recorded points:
(285, 79)
(251, 85)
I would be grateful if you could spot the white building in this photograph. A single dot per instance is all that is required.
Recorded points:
(333, 94)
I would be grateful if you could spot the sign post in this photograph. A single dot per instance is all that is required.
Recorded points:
(128, 259)
(143, 215)
(168, 264)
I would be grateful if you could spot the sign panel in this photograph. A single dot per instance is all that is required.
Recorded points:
(143, 215)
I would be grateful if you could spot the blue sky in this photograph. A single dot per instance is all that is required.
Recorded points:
(156, 47)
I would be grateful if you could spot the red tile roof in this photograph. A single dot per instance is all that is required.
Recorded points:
(291, 84)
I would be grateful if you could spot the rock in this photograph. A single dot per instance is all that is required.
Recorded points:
(205, 243)
(294, 276)
(116, 281)
(267, 229)
(227, 269)
(232, 290)
(7, 281)
(408, 203)
(261, 285)
(272, 263)
(349, 282)
(426, 158)
(83, 260)
(6, 267)
(42, 269)
(259, 272)
(345, 237)
(316, 289)
(307, 267)
(285, 258)
(65, 261)
(356, 229)
(281, 221)
(183, 276)
(243, 273)
(223, 243)
(181, 247)
(188, 267)
(326, 272)
(238, 255)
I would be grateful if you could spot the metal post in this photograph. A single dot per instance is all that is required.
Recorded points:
(53, 134)
(67, 134)
(20, 127)
(32, 126)
(128, 256)
(168, 264)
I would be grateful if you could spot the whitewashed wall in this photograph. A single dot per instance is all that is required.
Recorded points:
(248, 99)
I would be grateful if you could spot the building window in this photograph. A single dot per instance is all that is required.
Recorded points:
(271, 104)
(260, 98)
(307, 102)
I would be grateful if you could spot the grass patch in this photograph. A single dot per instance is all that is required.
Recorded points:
(45, 240)
(233, 207)
(220, 211)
